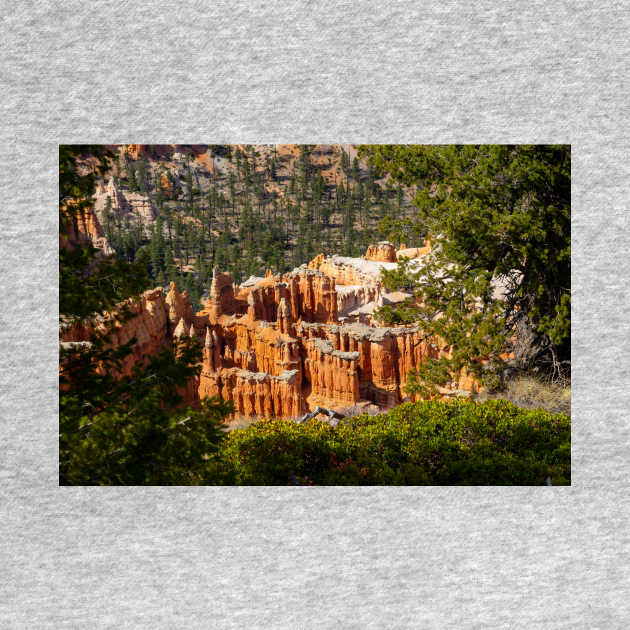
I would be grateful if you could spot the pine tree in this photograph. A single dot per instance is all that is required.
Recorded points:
(189, 187)
(356, 172)
(497, 215)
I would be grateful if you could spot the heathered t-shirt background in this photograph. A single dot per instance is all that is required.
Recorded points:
(224, 72)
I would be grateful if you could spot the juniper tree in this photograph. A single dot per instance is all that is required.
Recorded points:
(497, 215)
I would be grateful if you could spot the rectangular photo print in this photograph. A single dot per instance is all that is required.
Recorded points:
(329, 314)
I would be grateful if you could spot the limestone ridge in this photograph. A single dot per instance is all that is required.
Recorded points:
(284, 344)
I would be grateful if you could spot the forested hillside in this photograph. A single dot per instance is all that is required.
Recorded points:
(246, 208)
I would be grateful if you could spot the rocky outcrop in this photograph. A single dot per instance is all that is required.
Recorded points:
(281, 345)
(153, 320)
(333, 374)
(384, 356)
(179, 307)
(221, 295)
(303, 293)
(83, 226)
(381, 252)
(351, 271)
(256, 393)
(414, 252)
(123, 203)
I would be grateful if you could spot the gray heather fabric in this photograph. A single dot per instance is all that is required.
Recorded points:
(323, 557)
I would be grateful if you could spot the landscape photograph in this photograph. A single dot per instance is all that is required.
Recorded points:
(323, 314)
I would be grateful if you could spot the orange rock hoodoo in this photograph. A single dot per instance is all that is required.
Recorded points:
(381, 252)
(279, 345)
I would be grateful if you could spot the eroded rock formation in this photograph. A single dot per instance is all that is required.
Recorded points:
(124, 203)
(381, 252)
(281, 345)
(83, 226)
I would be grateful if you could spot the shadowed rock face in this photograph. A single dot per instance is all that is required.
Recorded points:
(84, 227)
(277, 346)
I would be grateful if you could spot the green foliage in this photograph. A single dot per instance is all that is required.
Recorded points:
(497, 215)
(115, 429)
(76, 182)
(456, 307)
(404, 313)
(88, 286)
(401, 230)
(427, 443)
(135, 431)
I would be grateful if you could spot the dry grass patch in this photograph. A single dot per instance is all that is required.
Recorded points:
(529, 392)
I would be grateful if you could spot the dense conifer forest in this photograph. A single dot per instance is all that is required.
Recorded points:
(249, 208)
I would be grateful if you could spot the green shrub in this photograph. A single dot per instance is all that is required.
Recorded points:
(424, 443)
